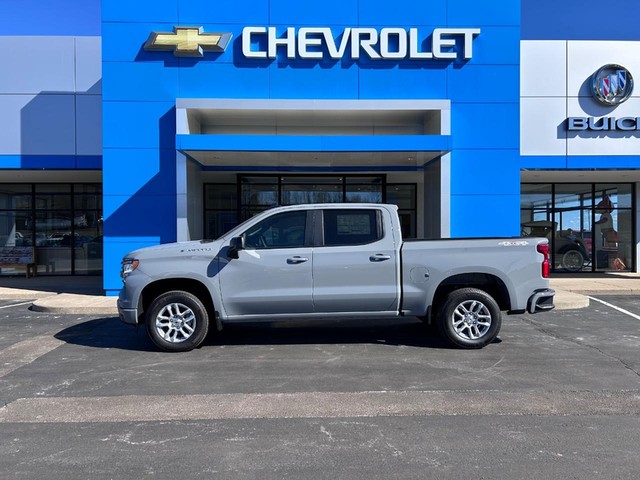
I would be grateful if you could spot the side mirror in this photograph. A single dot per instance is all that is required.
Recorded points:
(236, 244)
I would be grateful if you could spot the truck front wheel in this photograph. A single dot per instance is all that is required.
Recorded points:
(177, 321)
(470, 318)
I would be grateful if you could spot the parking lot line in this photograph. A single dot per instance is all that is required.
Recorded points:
(16, 304)
(142, 408)
(621, 310)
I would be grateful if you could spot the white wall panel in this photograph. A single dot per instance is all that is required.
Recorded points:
(585, 57)
(89, 65)
(37, 64)
(37, 125)
(603, 142)
(542, 129)
(88, 125)
(543, 68)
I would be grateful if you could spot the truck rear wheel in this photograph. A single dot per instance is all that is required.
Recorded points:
(177, 321)
(470, 318)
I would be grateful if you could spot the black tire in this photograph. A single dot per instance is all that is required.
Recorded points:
(469, 318)
(177, 321)
(572, 260)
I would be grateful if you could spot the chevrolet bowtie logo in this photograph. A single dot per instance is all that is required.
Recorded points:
(188, 41)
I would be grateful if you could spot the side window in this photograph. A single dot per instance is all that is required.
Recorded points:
(285, 230)
(351, 227)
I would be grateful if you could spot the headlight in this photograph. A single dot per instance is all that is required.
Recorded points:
(128, 266)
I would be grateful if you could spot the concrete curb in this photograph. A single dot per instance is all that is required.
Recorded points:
(75, 304)
(564, 300)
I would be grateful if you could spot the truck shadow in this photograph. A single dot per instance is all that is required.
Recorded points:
(111, 333)
(395, 332)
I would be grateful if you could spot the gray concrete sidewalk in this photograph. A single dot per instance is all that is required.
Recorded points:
(84, 295)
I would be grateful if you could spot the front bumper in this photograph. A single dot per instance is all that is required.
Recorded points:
(128, 315)
(541, 301)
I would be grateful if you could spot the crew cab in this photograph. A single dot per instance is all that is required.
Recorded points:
(332, 261)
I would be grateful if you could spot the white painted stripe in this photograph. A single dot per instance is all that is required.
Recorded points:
(23, 353)
(16, 304)
(621, 310)
(149, 408)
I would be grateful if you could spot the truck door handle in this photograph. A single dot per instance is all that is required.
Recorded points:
(295, 260)
(379, 257)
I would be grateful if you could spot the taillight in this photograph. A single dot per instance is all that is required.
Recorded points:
(543, 248)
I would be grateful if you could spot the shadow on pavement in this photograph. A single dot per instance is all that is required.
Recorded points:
(408, 332)
(107, 333)
(112, 333)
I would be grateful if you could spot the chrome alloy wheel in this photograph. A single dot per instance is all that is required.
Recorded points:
(471, 320)
(175, 322)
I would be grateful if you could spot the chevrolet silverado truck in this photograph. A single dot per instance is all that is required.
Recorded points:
(332, 261)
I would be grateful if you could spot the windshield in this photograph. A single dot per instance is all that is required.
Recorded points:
(237, 230)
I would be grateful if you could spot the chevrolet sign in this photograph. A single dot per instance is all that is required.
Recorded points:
(387, 43)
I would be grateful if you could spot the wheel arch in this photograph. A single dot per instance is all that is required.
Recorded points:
(154, 289)
(486, 282)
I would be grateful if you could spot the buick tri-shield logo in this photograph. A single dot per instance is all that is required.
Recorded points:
(612, 84)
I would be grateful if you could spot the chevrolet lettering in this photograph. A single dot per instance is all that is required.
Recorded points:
(387, 43)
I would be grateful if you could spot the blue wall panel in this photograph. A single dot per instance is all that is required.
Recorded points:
(485, 215)
(140, 89)
(399, 82)
(485, 125)
(53, 17)
(327, 12)
(142, 11)
(473, 12)
(402, 13)
(485, 172)
(579, 20)
(197, 12)
(491, 83)
(214, 80)
(139, 125)
(293, 82)
(140, 81)
(147, 172)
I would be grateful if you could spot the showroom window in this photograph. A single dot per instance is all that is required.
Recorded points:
(62, 222)
(589, 225)
(227, 204)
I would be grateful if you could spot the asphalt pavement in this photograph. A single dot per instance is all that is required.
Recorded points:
(556, 396)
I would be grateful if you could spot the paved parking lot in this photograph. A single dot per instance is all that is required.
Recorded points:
(557, 397)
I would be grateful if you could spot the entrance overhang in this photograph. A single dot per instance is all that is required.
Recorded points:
(313, 133)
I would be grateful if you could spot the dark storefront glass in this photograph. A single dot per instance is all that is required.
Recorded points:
(62, 221)
(589, 226)
(223, 209)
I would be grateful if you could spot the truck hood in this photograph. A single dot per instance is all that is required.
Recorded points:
(178, 249)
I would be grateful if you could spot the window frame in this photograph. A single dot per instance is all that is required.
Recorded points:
(380, 230)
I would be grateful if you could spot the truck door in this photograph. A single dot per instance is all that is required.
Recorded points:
(354, 269)
(273, 273)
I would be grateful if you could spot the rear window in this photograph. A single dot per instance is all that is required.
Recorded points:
(351, 227)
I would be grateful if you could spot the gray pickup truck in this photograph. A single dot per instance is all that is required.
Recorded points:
(332, 261)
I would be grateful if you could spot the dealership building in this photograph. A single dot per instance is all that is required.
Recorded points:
(132, 124)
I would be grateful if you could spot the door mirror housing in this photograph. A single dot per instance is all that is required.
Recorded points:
(235, 245)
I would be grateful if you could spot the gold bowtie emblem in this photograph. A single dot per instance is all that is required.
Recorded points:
(188, 41)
